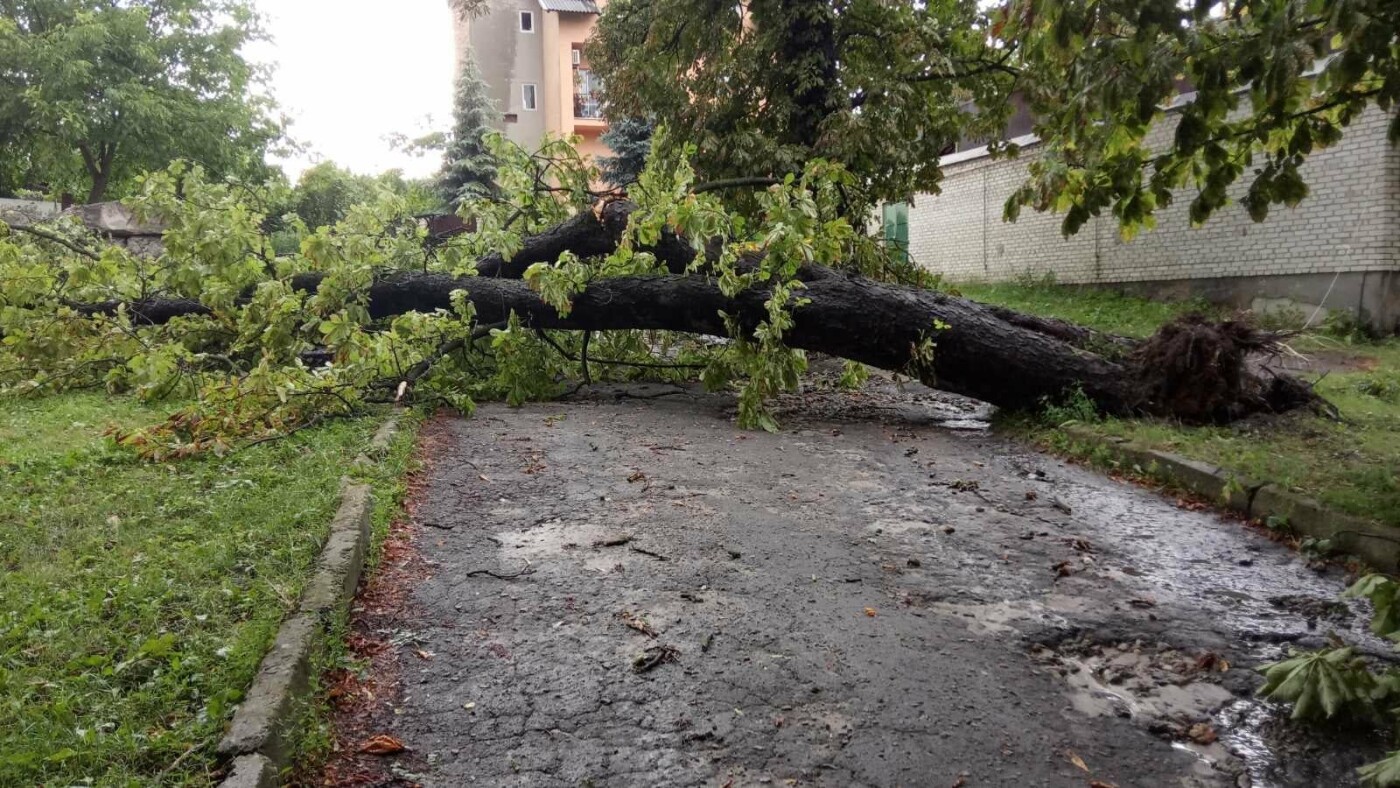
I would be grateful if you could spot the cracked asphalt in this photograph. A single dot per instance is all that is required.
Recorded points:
(629, 591)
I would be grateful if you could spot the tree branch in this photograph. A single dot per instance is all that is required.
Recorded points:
(734, 183)
(55, 238)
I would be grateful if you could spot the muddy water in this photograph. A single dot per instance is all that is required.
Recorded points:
(882, 594)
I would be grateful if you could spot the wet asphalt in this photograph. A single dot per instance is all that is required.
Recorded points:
(630, 591)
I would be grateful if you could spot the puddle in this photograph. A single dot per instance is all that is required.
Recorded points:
(911, 404)
(1245, 720)
(1235, 578)
(1261, 597)
(965, 424)
(1171, 693)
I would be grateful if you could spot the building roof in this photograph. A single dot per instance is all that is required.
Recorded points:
(577, 6)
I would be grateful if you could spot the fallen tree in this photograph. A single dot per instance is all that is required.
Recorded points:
(1193, 370)
(366, 310)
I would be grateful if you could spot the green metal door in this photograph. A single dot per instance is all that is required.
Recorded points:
(896, 222)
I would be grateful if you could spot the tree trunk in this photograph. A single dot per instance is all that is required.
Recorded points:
(1193, 370)
(99, 169)
(98, 190)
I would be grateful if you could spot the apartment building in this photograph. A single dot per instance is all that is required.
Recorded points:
(531, 55)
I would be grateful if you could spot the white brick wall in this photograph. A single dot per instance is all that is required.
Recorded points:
(1349, 222)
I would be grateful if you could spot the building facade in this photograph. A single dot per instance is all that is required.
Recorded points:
(531, 56)
(1338, 249)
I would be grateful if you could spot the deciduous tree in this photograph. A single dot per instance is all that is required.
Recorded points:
(883, 88)
(94, 92)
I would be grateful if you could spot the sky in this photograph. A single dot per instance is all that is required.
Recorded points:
(350, 72)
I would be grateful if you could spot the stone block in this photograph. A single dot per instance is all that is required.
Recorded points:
(252, 771)
(114, 219)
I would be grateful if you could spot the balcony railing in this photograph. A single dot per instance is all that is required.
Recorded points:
(586, 105)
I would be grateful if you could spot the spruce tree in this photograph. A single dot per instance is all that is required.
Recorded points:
(630, 141)
(469, 169)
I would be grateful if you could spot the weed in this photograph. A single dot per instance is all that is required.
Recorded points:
(1347, 326)
(1286, 317)
(1031, 280)
(1075, 406)
(1279, 524)
(1383, 384)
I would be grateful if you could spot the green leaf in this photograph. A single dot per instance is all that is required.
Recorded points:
(1382, 774)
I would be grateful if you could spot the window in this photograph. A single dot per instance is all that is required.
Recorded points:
(511, 117)
(527, 96)
(527, 22)
(586, 94)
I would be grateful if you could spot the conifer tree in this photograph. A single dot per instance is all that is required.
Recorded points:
(630, 141)
(469, 169)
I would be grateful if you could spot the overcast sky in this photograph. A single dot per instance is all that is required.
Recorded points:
(350, 72)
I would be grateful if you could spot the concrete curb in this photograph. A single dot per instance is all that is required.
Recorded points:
(257, 742)
(1376, 544)
(380, 444)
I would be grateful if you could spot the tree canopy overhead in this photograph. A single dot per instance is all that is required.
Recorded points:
(761, 88)
(884, 88)
(95, 92)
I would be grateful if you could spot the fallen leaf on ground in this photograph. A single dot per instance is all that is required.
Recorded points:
(1063, 569)
(1101, 784)
(961, 781)
(654, 657)
(1202, 733)
(1076, 760)
(1212, 661)
(382, 745)
(870, 611)
(637, 622)
(637, 477)
(1142, 603)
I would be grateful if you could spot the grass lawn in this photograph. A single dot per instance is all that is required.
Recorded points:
(137, 599)
(1353, 465)
(1101, 309)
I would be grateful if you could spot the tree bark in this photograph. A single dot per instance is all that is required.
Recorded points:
(99, 168)
(991, 353)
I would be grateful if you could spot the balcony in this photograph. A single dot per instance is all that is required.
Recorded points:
(587, 106)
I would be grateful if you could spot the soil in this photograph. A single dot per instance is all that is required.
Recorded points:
(626, 590)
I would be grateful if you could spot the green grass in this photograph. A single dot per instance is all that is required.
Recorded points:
(1353, 466)
(1101, 309)
(137, 599)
